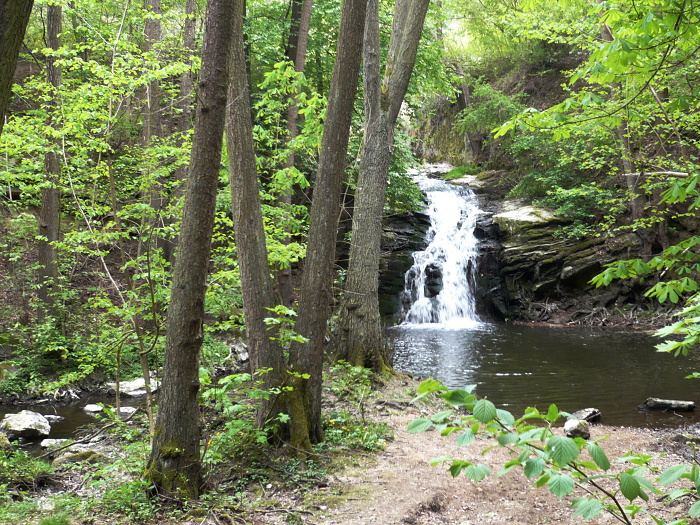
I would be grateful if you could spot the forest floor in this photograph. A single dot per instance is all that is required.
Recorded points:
(400, 487)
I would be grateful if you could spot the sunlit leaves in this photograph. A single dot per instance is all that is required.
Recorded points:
(562, 450)
(560, 485)
(598, 455)
(484, 411)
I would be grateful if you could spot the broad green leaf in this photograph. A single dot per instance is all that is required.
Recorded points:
(534, 467)
(562, 450)
(440, 417)
(598, 456)
(587, 508)
(673, 473)
(560, 485)
(465, 438)
(507, 439)
(419, 425)
(694, 511)
(629, 486)
(477, 472)
(484, 411)
(458, 397)
(505, 417)
(430, 385)
(552, 413)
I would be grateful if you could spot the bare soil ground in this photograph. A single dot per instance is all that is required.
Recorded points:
(401, 487)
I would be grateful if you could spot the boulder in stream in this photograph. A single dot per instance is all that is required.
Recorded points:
(587, 414)
(134, 388)
(574, 428)
(25, 424)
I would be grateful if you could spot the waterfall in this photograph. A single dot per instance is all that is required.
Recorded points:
(439, 287)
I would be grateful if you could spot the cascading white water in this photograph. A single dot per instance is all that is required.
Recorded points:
(439, 287)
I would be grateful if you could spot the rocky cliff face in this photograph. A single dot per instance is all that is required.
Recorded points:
(526, 270)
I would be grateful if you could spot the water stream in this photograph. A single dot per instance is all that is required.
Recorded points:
(520, 366)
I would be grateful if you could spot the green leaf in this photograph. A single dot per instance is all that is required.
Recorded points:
(440, 417)
(484, 411)
(505, 417)
(694, 511)
(552, 414)
(534, 467)
(466, 438)
(629, 486)
(477, 472)
(562, 450)
(458, 397)
(672, 474)
(598, 456)
(587, 508)
(507, 439)
(419, 425)
(560, 485)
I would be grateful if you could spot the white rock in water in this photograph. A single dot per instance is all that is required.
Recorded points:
(26, 424)
(93, 408)
(51, 418)
(574, 428)
(49, 443)
(134, 388)
(127, 411)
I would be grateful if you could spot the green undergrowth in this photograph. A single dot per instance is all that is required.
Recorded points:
(461, 171)
(244, 473)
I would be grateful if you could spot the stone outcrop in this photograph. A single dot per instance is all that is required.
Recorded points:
(527, 269)
(25, 424)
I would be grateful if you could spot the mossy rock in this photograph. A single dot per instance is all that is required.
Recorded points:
(85, 456)
(4, 442)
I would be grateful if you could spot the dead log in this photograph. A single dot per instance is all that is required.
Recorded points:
(675, 405)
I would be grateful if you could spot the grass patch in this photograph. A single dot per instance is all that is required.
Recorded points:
(461, 171)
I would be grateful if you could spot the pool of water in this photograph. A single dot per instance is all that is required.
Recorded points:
(521, 366)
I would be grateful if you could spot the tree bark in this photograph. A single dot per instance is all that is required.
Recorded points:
(315, 294)
(14, 17)
(256, 283)
(174, 466)
(296, 52)
(362, 337)
(50, 213)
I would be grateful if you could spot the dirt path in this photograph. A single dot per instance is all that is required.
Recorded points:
(403, 488)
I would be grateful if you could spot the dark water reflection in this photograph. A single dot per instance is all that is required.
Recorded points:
(521, 366)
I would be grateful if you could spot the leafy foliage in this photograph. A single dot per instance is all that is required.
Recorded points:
(549, 459)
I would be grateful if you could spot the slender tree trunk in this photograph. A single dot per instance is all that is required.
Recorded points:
(185, 106)
(174, 465)
(363, 345)
(633, 181)
(256, 282)
(50, 213)
(315, 295)
(296, 52)
(14, 17)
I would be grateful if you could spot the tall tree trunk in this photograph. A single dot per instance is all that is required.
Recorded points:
(153, 129)
(14, 17)
(315, 294)
(174, 465)
(363, 345)
(632, 179)
(296, 52)
(184, 105)
(256, 283)
(50, 213)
